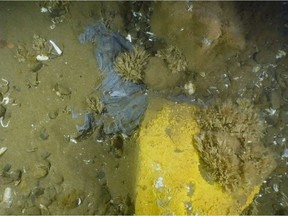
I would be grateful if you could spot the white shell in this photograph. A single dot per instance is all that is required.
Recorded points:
(159, 183)
(129, 38)
(56, 48)
(190, 88)
(285, 153)
(44, 10)
(7, 197)
(42, 57)
(280, 54)
(256, 68)
(3, 150)
(271, 111)
(52, 26)
(275, 187)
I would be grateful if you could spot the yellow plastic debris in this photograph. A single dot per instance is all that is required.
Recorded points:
(168, 179)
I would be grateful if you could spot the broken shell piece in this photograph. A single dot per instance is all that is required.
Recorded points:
(280, 54)
(271, 111)
(189, 88)
(256, 68)
(44, 10)
(7, 197)
(285, 153)
(202, 74)
(42, 57)
(275, 187)
(52, 26)
(129, 38)
(56, 48)
(3, 150)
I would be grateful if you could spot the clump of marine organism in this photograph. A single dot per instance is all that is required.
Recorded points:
(39, 44)
(230, 145)
(41, 51)
(23, 54)
(174, 58)
(131, 65)
(58, 11)
(95, 104)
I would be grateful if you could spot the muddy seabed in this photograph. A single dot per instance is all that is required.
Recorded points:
(242, 55)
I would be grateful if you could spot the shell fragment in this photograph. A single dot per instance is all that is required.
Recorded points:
(7, 197)
(44, 10)
(189, 88)
(3, 150)
(280, 54)
(56, 48)
(285, 153)
(42, 57)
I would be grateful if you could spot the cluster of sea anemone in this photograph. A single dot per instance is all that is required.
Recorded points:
(230, 146)
(174, 58)
(131, 65)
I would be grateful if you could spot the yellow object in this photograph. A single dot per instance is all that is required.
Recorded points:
(168, 177)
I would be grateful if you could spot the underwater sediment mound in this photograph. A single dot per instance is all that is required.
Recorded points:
(230, 146)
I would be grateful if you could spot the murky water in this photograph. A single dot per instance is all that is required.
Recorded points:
(232, 51)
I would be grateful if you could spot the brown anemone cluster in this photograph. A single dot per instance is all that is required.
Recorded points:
(131, 65)
(230, 145)
(174, 59)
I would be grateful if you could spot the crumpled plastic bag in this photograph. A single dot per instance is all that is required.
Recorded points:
(125, 102)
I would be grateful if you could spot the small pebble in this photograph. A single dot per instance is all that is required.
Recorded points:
(44, 200)
(43, 134)
(284, 116)
(285, 95)
(56, 178)
(37, 191)
(45, 155)
(275, 98)
(36, 67)
(40, 170)
(105, 194)
(16, 175)
(50, 192)
(31, 211)
(7, 168)
(53, 114)
(101, 177)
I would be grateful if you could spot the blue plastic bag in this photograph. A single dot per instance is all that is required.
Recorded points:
(125, 102)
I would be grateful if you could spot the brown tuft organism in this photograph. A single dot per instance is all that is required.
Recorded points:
(230, 145)
(174, 58)
(131, 65)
